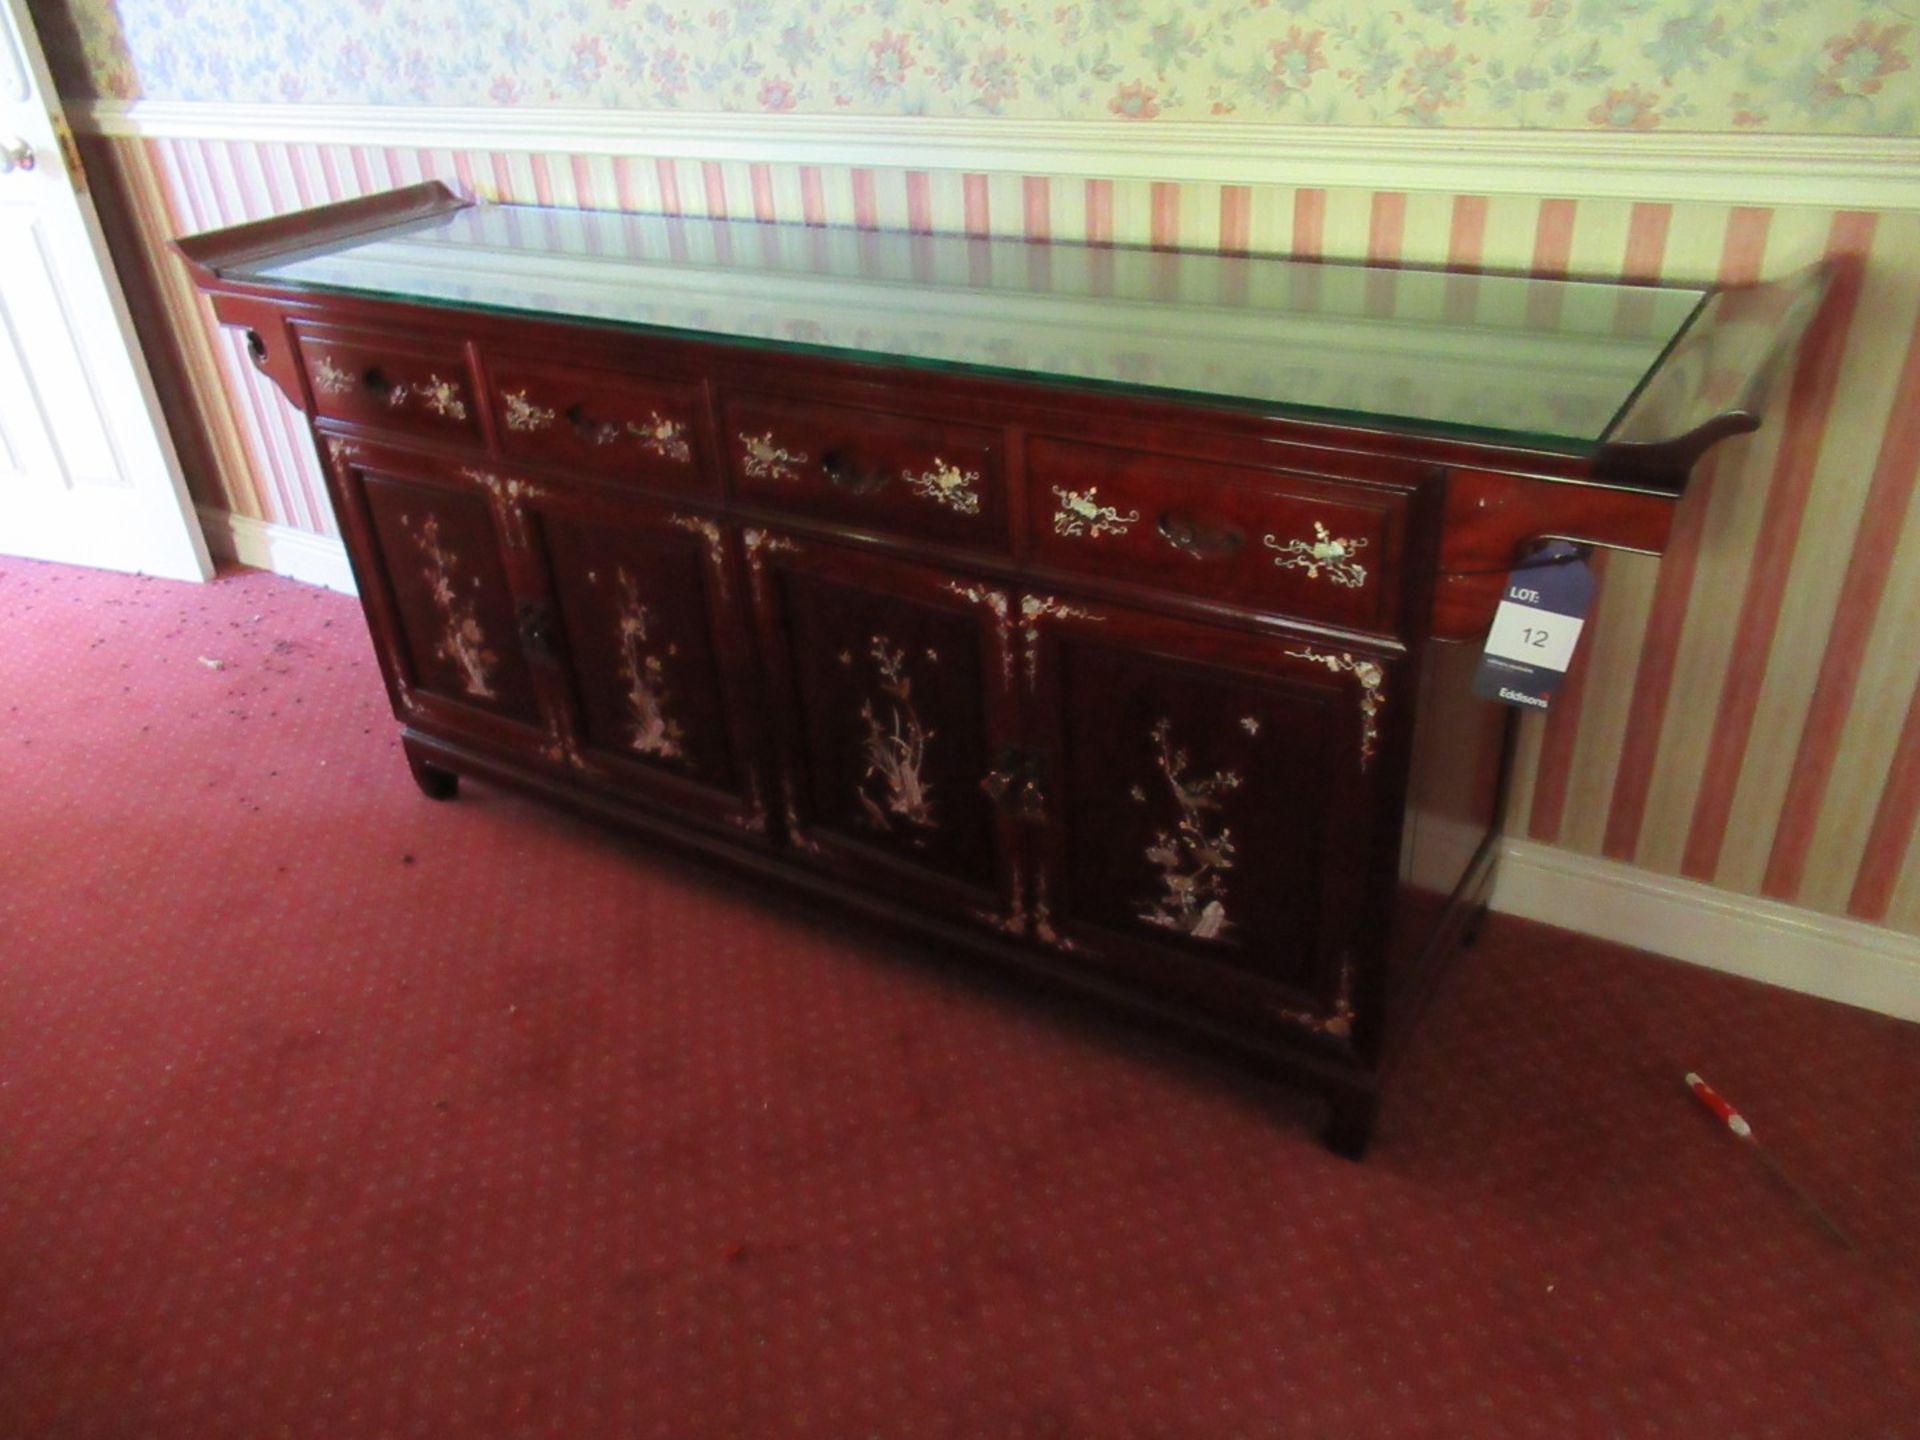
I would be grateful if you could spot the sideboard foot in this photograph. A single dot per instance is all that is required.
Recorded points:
(1476, 918)
(435, 783)
(1350, 1118)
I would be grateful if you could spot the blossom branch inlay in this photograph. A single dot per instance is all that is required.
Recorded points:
(1080, 513)
(1324, 554)
(652, 730)
(946, 485)
(523, 414)
(895, 747)
(1372, 680)
(1195, 854)
(764, 460)
(462, 641)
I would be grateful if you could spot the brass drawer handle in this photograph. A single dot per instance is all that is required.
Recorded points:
(440, 396)
(1199, 541)
(657, 434)
(594, 432)
(383, 389)
(842, 475)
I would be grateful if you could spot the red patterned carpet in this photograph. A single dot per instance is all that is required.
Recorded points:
(326, 1111)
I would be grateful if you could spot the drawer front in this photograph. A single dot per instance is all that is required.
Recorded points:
(1303, 544)
(624, 427)
(367, 378)
(871, 468)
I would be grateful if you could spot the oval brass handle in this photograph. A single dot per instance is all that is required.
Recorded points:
(382, 388)
(841, 475)
(1199, 541)
(594, 432)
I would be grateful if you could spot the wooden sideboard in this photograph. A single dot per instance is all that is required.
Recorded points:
(1017, 595)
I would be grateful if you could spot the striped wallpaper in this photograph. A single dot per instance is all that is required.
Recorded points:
(1744, 712)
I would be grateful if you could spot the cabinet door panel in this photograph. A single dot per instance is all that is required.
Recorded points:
(893, 681)
(1213, 807)
(437, 588)
(655, 654)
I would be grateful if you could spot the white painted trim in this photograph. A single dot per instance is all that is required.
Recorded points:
(1824, 955)
(297, 554)
(1834, 171)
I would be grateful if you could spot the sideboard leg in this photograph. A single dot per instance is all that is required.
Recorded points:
(1350, 1117)
(1470, 932)
(435, 783)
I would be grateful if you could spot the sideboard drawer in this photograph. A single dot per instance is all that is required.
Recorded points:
(1278, 540)
(422, 387)
(872, 468)
(600, 421)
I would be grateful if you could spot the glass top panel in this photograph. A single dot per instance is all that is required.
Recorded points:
(1549, 363)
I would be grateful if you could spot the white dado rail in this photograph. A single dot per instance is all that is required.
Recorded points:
(1830, 171)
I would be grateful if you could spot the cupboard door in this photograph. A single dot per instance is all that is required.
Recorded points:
(893, 685)
(436, 584)
(1212, 807)
(654, 652)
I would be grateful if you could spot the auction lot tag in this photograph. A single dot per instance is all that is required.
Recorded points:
(1536, 627)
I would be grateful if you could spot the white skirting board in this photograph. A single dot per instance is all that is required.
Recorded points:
(1825, 955)
(297, 554)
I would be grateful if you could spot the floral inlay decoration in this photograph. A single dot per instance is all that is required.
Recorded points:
(1337, 1019)
(759, 544)
(1035, 608)
(643, 665)
(523, 414)
(764, 460)
(442, 397)
(1323, 555)
(562, 749)
(329, 378)
(996, 602)
(463, 642)
(512, 493)
(1043, 928)
(663, 437)
(893, 784)
(1194, 854)
(1080, 513)
(946, 485)
(1372, 692)
(708, 530)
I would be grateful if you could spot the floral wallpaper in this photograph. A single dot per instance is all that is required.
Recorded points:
(1836, 66)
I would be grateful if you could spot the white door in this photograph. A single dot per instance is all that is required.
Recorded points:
(87, 472)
